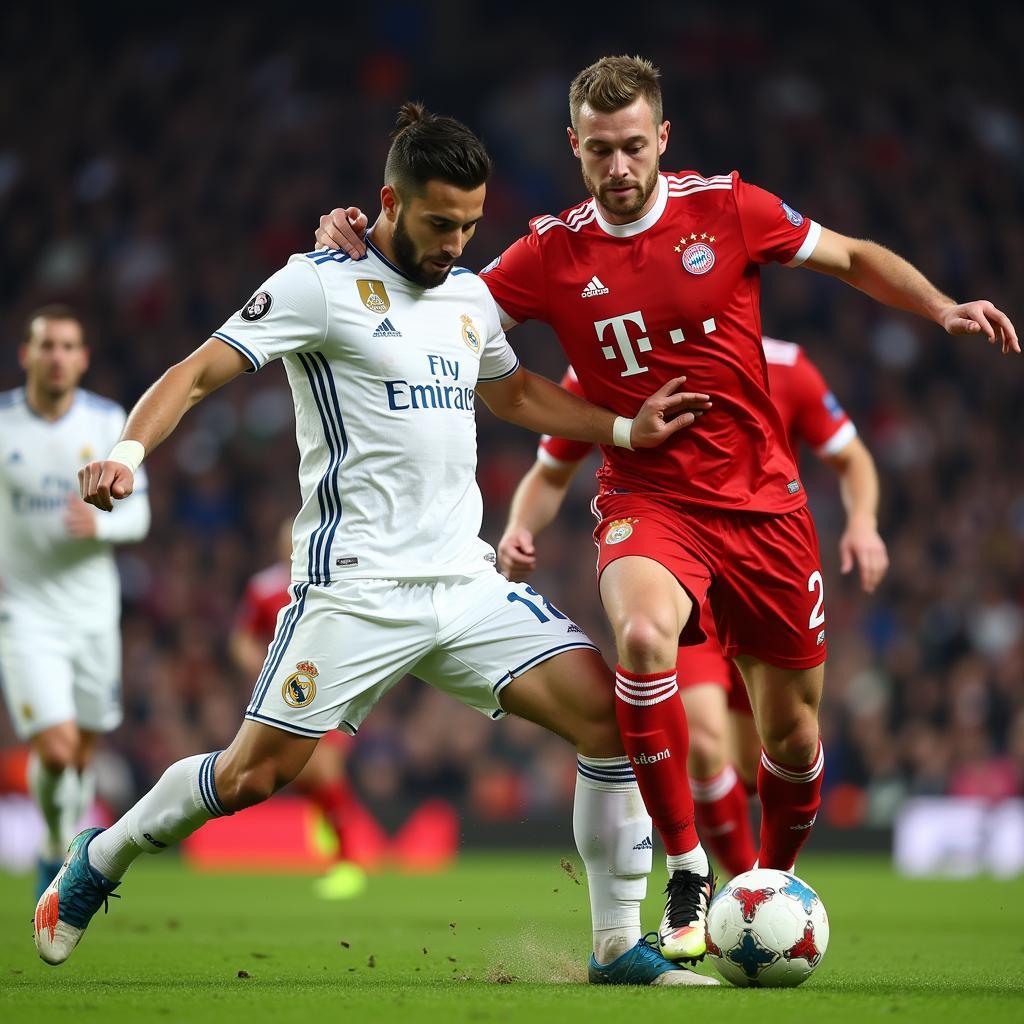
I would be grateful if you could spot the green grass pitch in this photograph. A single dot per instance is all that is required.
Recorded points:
(499, 938)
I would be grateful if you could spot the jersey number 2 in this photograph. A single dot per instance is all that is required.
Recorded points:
(816, 583)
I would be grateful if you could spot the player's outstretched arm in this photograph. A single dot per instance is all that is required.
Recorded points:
(543, 407)
(890, 279)
(155, 416)
(860, 544)
(343, 228)
(535, 504)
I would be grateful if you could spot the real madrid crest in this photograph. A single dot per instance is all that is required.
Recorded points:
(469, 334)
(695, 252)
(620, 530)
(300, 687)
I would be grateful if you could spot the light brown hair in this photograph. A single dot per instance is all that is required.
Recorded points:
(613, 83)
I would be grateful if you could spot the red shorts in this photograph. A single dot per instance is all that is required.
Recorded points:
(703, 663)
(760, 573)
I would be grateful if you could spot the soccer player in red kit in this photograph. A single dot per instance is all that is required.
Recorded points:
(657, 274)
(709, 684)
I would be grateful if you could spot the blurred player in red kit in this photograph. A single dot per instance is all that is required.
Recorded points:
(323, 779)
(724, 747)
(657, 274)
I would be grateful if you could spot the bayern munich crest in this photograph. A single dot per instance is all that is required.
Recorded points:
(698, 258)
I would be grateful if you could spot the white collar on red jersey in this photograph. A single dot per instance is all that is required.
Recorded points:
(648, 220)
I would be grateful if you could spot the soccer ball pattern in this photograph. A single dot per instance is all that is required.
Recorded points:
(767, 929)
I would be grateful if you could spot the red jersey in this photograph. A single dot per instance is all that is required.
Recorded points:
(265, 595)
(810, 413)
(677, 291)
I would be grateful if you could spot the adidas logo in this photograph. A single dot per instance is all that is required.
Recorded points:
(573, 628)
(593, 288)
(645, 845)
(386, 330)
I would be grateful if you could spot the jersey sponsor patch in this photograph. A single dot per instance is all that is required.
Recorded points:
(257, 307)
(698, 258)
(793, 486)
(835, 410)
(374, 296)
(491, 266)
(619, 530)
(794, 218)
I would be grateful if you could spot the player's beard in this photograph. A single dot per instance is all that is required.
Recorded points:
(627, 205)
(406, 258)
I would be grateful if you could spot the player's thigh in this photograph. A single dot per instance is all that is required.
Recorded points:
(495, 634)
(97, 672)
(785, 701)
(768, 599)
(337, 650)
(37, 676)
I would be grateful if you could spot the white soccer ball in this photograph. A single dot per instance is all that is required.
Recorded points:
(767, 929)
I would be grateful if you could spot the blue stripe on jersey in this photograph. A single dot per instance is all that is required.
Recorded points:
(299, 730)
(537, 659)
(328, 493)
(460, 270)
(221, 336)
(490, 380)
(281, 640)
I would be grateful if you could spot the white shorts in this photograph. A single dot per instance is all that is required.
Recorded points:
(52, 675)
(339, 648)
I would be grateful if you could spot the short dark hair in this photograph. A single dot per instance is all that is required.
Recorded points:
(52, 311)
(431, 147)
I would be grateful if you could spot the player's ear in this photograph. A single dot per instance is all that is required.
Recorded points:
(574, 141)
(390, 202)
(663, 137)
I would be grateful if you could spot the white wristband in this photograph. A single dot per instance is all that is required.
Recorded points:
(128, 453)
(622, 430)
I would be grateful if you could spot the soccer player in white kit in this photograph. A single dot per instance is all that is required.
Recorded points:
(60, 602)
(385, 356)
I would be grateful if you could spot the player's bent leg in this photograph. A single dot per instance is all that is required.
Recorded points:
(720, 800)
(744, 748)
(785, 704)
(259, 761)
(648, 609)
(52, 783)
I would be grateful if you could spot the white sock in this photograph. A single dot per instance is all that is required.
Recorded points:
(184, 799)
(78, 797)
(696, 860)
(49, 790)
(613, 836)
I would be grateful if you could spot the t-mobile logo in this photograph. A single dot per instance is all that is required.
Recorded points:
(661, 755)
(629, 348)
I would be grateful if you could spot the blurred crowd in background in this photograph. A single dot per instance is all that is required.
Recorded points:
(154, 173)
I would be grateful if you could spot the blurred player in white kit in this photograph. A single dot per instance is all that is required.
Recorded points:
(60, 602)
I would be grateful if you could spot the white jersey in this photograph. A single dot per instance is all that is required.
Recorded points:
(383, 374)
(44, 572)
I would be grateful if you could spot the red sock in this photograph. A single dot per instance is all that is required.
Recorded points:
(337, 802)
(723, 820)
(790, 798)
(654, 732)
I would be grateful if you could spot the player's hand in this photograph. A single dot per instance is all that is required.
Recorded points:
(103, 483)
(981, 317)
(861, 545)
(517, 556)
(79, 519)
(343, 229)
(665, 412)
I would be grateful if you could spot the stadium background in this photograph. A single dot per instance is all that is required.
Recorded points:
(155, 168)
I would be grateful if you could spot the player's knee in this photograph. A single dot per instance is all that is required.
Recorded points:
(796, 745)
(250, 784)
(56, 751)
(646, 642)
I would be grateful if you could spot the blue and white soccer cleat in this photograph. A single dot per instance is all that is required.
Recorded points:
(46, 872)
(643, 965)
(69, 902)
